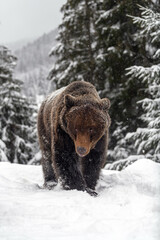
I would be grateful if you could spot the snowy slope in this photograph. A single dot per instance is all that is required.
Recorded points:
(127, 207)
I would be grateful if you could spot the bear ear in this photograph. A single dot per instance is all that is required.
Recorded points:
(105, 104)
(69, 101)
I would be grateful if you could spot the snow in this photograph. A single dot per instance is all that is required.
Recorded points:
(127, 207)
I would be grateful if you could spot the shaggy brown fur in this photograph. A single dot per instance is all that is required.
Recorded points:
(73, 136)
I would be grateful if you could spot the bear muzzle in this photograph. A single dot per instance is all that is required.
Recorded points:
(82, 144)
(81, 151)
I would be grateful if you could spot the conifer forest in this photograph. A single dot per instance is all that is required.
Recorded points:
(113, 44)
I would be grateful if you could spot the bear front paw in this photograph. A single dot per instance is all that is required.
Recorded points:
(91, 192)
(50, 185)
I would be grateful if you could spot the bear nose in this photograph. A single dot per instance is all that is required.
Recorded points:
(81, 151)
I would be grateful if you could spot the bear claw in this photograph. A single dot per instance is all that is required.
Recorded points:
(50, 185)
(91, 192)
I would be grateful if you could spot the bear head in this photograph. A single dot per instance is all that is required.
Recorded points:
(86, 122)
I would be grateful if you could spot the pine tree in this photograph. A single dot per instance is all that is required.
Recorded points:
(117, 51)
(6, 66)
(146, 138)
(18, 139)
(77, 45)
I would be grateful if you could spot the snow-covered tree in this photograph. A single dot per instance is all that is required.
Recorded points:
(117, 51)
(7, 61)
(146, 139)
(17, 135)
(77, 45)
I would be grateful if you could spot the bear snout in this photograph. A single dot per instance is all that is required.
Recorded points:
(82, 144)
(81, 151)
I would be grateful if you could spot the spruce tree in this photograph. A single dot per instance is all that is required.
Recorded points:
(117, 51)
(18, 139)
(146, 138)
(77, 45)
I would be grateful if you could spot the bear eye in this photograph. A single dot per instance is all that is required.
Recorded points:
(91, 130)
(75, 130)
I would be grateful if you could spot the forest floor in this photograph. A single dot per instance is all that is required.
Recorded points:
(127, 207)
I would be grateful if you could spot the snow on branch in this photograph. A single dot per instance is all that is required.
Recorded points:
(149, 23)
(146, 139)
(144, 73)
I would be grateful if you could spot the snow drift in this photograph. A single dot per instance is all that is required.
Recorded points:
(127, 207)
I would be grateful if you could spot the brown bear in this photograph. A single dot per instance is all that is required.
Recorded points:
(73, 135)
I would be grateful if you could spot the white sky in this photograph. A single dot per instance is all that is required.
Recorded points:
(25, 19)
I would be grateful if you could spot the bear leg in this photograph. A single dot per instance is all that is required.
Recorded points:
(91, 169)
(67, 163)
(93, 162)
(49, 176)
(70, 173)
(50, 179)
(69, 170)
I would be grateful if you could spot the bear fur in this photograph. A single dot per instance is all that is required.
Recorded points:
(73, 135)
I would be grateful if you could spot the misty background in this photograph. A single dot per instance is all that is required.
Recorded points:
(27, 19)
(29, 29)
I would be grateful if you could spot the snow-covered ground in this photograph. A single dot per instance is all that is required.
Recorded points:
(127, 208)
